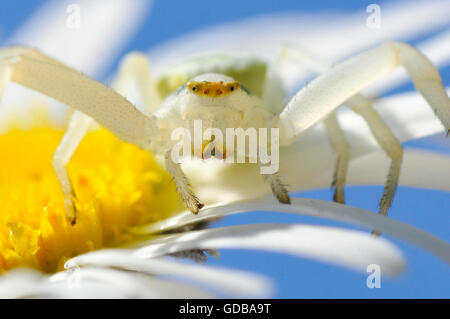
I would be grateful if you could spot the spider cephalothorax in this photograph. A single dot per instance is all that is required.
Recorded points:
(212, 90)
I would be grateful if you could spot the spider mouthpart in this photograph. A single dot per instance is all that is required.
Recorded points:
(212, 89)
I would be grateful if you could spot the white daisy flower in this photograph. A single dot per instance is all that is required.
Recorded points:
(131, 222)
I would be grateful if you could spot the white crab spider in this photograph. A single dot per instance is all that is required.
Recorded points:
(151, 130)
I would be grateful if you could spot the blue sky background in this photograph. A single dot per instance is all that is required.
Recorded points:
(426, 277)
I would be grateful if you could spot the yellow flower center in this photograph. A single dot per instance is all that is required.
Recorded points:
(117, 185)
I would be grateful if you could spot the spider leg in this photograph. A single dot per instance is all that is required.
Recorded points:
(331, 89)
(135, 68)
(182, 184)
(334, 132)
(33, 69)
(363, 106)
(5, 75)
(342, 150)
(78, 126)
(388, 143)
(278, 188)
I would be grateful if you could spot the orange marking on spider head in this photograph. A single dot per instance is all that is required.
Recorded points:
(212, 89)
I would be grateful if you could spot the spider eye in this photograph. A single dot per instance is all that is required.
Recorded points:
(194, 88)
(232, 88)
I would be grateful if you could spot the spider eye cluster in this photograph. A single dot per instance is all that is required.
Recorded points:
(212, 89)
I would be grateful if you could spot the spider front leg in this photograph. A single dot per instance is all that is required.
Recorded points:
(182, 184)
(325, 93)
(78, 126)
(33, 69)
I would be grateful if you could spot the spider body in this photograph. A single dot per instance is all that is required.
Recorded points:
(212, 90)
(217, 101)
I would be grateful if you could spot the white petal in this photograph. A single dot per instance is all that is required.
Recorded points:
(132, 285)
(315, 208)
(92, 283)
(346, 248)
(105, 27)
(349, 33)
(17, 282)
(25, 283)
(420, 168)
(89, 290)
(227, 281)
(437, 49)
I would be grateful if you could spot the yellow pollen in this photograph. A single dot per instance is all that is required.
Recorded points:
(212, 89)
(118, 186)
